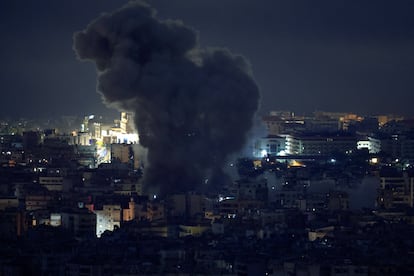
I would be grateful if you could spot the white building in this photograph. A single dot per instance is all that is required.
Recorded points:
(271, 145)
(108, 218)
(373, 145)
(320, 144)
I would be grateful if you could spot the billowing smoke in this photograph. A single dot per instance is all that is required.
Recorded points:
(192, 105)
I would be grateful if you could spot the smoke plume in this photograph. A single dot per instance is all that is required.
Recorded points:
(193, 106)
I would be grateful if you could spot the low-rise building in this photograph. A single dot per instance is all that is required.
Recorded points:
(81, 222)
(108, 219)
(318, 144)
(396, 190)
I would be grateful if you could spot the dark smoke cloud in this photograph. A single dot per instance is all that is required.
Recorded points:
(193, 106)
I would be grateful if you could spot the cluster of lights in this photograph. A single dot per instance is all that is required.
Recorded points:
(222, 198)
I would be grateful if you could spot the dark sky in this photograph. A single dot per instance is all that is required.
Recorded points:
(334, 55)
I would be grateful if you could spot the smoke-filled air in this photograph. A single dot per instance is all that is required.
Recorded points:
(193, 106)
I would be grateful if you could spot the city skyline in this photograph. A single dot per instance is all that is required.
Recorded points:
(343, 56)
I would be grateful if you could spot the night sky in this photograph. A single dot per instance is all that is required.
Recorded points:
(340, 55)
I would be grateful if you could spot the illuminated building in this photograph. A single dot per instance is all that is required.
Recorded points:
(320, 144)
(83, 138)
(373, 145)
(109, 218)
(55, 219)
(101, 136)
(130, 213)
(92, 130)
(349, 119)
(86, 123)
(127, 122)
(124, 134)
(384, 119)
(271, 145)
